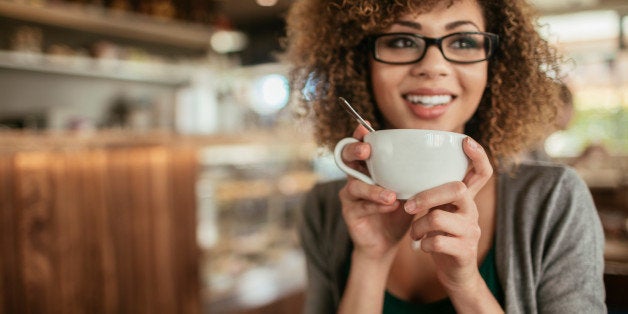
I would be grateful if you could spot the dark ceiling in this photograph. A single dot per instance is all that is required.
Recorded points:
(263, 25)
(248, 12)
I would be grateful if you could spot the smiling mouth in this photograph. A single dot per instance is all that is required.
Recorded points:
(428, 101)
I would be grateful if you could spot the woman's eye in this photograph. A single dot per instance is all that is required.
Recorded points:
(465, 42)
(401, 42)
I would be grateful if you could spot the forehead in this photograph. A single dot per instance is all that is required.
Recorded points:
(420, 6)
(445, 13)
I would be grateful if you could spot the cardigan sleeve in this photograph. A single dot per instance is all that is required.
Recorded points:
(572, 253)
(550, 242)
(319, 297)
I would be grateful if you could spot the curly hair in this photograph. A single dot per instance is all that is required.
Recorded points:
(325, 44)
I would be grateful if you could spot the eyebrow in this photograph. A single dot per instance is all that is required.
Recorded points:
(448, 26)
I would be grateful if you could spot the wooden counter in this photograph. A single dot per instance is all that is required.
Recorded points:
(97, 225)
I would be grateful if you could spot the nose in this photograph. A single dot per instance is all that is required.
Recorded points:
(433, 64)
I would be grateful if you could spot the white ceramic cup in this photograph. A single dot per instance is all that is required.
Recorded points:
(409, 161)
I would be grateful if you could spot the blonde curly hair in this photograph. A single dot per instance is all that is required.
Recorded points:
(325, 44)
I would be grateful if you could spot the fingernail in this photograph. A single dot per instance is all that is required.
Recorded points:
(472, 143)
(416, 245)
(359, 149)
(409, 206)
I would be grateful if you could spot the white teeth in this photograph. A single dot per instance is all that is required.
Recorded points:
(429, 101)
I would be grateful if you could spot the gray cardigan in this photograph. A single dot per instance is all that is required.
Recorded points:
(549, 243)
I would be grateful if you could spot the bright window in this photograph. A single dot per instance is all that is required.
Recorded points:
(597, 74)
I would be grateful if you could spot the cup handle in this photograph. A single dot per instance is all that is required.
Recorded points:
(348, 170)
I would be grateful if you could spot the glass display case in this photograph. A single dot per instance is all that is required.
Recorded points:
(249, 192)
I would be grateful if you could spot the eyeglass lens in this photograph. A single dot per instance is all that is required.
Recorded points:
(404, 48)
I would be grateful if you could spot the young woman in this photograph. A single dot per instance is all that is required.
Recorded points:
(519, 238)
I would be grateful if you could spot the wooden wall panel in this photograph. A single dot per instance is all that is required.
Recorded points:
(35, 233)
(99, 229)
(184, 243)
(10, 284)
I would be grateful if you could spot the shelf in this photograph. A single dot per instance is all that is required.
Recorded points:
(113, 23)
(153, 73)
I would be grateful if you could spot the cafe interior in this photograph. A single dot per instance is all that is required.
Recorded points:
(150, 161)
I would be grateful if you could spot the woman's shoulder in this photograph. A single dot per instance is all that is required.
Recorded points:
(544, 190)
(541, 176)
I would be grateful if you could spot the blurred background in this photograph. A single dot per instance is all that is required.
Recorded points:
(150, 162)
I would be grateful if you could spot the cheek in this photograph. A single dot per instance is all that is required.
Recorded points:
(377, 82)
(383, 82)
(476, 81)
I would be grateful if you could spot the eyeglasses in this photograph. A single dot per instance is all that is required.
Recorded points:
(406, 48)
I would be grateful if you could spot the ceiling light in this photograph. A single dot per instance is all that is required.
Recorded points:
(270, 94)
(266, 3)
(225, 41)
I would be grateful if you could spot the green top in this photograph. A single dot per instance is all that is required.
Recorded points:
(488, 270)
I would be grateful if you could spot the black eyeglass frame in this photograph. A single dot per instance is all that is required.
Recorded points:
(430, 41)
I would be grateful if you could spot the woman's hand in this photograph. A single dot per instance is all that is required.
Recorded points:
(446, 222)
(372, 213)
(376, 223)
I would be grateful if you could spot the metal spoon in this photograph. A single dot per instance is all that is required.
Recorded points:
(355, 114)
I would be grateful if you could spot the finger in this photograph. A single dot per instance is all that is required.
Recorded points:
(355, 207)
(358, 190)
(447, 245)
(455, 193)
(356, 152)
(443, 222)
(360, 131)
(481, 169)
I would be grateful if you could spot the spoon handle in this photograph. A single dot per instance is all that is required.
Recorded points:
(354, 114)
